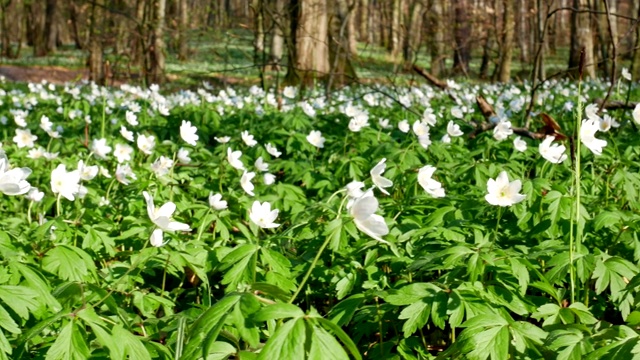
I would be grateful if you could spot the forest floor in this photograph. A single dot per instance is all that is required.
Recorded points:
(52, 74)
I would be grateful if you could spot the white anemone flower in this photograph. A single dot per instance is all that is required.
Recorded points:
(271, 149)
(519, 144)
(554, 153)
(24, 138)
(128, 135)
(315, 138)
(501, 192)
(12, 181)
(404, 126)
(378, 180)
(248, 139)
(430, 185)
(453, 129)
(183, 156)
(245, 182)
(261, 165)
(363, 211)
(66, 183)
(588, 131)
(263, 216)
(502, 130)
(100, 148)
(188, 133)
(216, 202)
(233, 157)
(636, 115)
(161, 217)
(146, 143)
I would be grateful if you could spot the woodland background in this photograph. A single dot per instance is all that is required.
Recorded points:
(277, 42)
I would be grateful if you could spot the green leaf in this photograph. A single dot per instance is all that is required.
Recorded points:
(278, 311)
(417, 315)
(68, 262)
(346, 340)
(324, 346)
(7, 322)
(613, 273)
(130, 343)
(20, 299)
(69, 345)
(288, 342)
(342, 313)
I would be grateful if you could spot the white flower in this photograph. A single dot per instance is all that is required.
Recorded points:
(519, 144)
(431, 186)
(263, 216)
(183, 156)
(24, 138)
(12, 181)
(162, 166)
(131, 118)
(223, 139)
(502, 130)
(123, 172)
(123, 152)
(271, 149)
(588, 131)
(384, 123)
(315, 138)
(87, 172)
(161, 217)
(66, 183)
(216, 202)
(363, 211)
(420, 129)
(245, 182)
(269, 179)
(146, 143)
(607, 122)
(248, 139)
(591, 111)
(188, 133)
(128, 135)
(376, 176)
(233, 157)
(100, 148)
(457, 112)
(636, 116)
(104, 172)
(35, 195)
(428, 117)
(46, 124)
(553, 153)
(289, 92)
(453, 129)
(261, 165)
(501, 192)
(626, 74)
(36, 153)
(354, 189)
(446, 139)
(404, 126)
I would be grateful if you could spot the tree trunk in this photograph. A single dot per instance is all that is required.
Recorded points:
(183, 26)
(352, 33)
(436, 14)
(95, 61)
(504, 66)
(157, 58)
(310, 55)
(342, 71)
(365, 21)
(581, 38)
(279, 28)
(413, 38)
(541, 38)
(636, 54)
(259, 55)
(462, 34)
(397, 33)
(51, 26)
(523, 39)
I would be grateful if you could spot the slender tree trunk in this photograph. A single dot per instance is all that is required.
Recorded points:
(259, 38)
(342, 71)
(279, 26)
(636, 53)
(504, 72)
(436, 22)
(413, 38)
(352, 33)
(602, 32)
(51, 26)
(523, 39)
(95, 61)
(157, 63)
(582, 38)
(365, 21)
(397, 33)
(541, 36)
(462, 34)
(183, 26)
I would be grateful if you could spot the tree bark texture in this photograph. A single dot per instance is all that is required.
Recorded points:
(504, 66)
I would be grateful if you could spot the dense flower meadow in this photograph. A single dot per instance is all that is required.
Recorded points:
(378, 223)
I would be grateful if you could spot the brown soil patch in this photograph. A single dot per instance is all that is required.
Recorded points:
(35, 74)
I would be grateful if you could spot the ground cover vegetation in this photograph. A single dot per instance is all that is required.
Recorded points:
(389, 222)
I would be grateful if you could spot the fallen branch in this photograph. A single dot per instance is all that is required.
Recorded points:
(615, 105)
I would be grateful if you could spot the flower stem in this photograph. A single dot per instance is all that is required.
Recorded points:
(313, 265)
